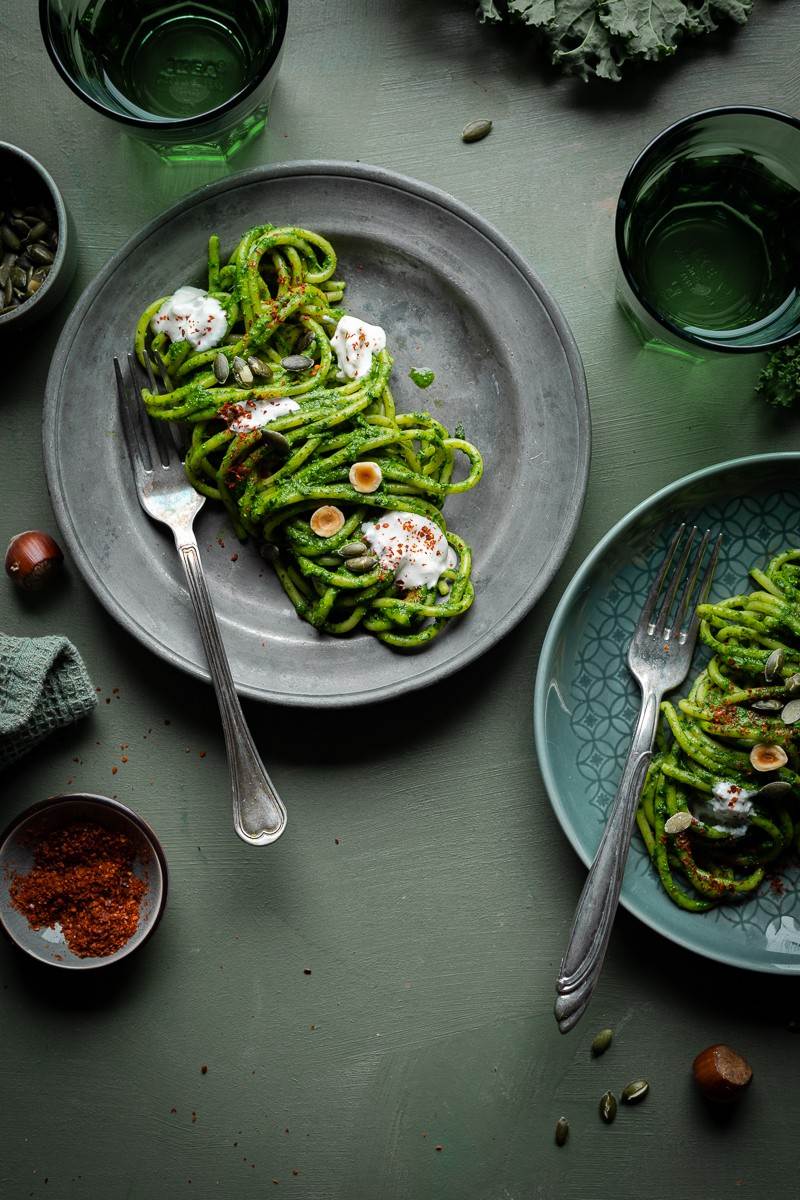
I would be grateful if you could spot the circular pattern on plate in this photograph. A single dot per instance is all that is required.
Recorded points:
(586, 701)
(454, 296)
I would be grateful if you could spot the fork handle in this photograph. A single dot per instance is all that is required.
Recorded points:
(594, 916)
(259, 816)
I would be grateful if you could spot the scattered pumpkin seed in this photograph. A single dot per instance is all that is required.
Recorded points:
(678, 822)
(353, 550)
(294, 363)
(562, 1131)
(793, 684)
(37, 231)
(474, 131)
(608, 1107)
(307, 339)
(602, 1041)
(259, 367)
(635, 1092)
(40, 254)
(791, 713)
(767, 705)
(222, 368)
(777, 790)
(276, 440)
(362, 565)
(773, 664)
(241, 372)
(9, 238)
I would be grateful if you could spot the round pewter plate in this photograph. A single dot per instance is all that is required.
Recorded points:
(454, 297)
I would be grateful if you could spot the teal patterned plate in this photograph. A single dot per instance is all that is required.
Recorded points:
(585, 701)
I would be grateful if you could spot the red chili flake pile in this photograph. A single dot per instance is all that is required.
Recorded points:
(82, 877)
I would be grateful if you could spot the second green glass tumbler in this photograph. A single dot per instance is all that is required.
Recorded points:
(708, 234)
(191, 78)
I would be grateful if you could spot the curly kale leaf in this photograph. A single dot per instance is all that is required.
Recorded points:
(779, 382)
(596, 37)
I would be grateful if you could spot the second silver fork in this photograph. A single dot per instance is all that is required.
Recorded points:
(165, 494)
(659, 658)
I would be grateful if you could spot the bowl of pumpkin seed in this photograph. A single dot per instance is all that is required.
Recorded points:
(37, 240)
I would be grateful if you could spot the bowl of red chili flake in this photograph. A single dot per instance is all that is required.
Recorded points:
(84, 881)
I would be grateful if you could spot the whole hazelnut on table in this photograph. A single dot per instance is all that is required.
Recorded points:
(721, 1074)
(32, 558)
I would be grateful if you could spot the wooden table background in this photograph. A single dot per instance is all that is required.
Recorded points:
(419, 1058)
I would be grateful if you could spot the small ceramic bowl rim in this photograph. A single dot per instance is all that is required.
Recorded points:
(151, 836)
(63, 232)
(167, 123)
(631, 179)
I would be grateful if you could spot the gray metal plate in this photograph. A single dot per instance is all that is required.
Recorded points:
(452, 295)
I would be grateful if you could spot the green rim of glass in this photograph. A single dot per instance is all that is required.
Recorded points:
(623, 207)
(281, 10)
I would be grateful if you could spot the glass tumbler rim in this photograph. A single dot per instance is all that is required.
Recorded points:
(166, 123)
(753, 110)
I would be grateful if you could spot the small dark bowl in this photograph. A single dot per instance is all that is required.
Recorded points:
(16, 857)
(36, 186)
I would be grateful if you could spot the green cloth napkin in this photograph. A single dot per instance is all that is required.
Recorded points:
(43, 685)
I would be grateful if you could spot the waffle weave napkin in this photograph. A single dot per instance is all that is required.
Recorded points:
(43, 686)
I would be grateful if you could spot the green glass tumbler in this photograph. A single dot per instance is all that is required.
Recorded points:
(191, 78)
(708, 234)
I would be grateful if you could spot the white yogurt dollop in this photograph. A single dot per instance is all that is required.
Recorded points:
(263, 411)
(355, 342)
(730, 806)
(412, 546)
(192, 315)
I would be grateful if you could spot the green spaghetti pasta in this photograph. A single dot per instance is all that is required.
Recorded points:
(294, 430)
(719, 804)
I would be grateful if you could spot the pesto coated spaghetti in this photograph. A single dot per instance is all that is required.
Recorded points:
(294, 430)
(719, 804)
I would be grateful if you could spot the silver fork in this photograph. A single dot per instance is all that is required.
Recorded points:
(659, 658)
(166, 495)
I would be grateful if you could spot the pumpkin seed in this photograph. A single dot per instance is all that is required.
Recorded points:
(791, 713)
(678, 822)
(602, 1041)
(259, 367)
(8, 293)
(19, 225)
(635, 1092)
(276, 440)
(294, 363)
(773, 664)
(353, 550)
(362, 565)
(777, 790)
(241, 372)
(18, 277)
(562, 1131)
(767, 705)
(39, 253)
(475, 130)
(5, 273)
(37, 231)
(307, 339)
(608, 1107)
(9, 238)
(7, 308)
(222, 368)
(793, 684)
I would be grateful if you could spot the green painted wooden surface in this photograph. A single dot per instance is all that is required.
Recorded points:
(434, 927)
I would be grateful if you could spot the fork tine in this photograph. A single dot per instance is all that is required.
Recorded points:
(652, 595)
(138, 448)
(157, 438)
(143, 424)
(705, 588)
(691, 580)
(162, 430)
(660, 624)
